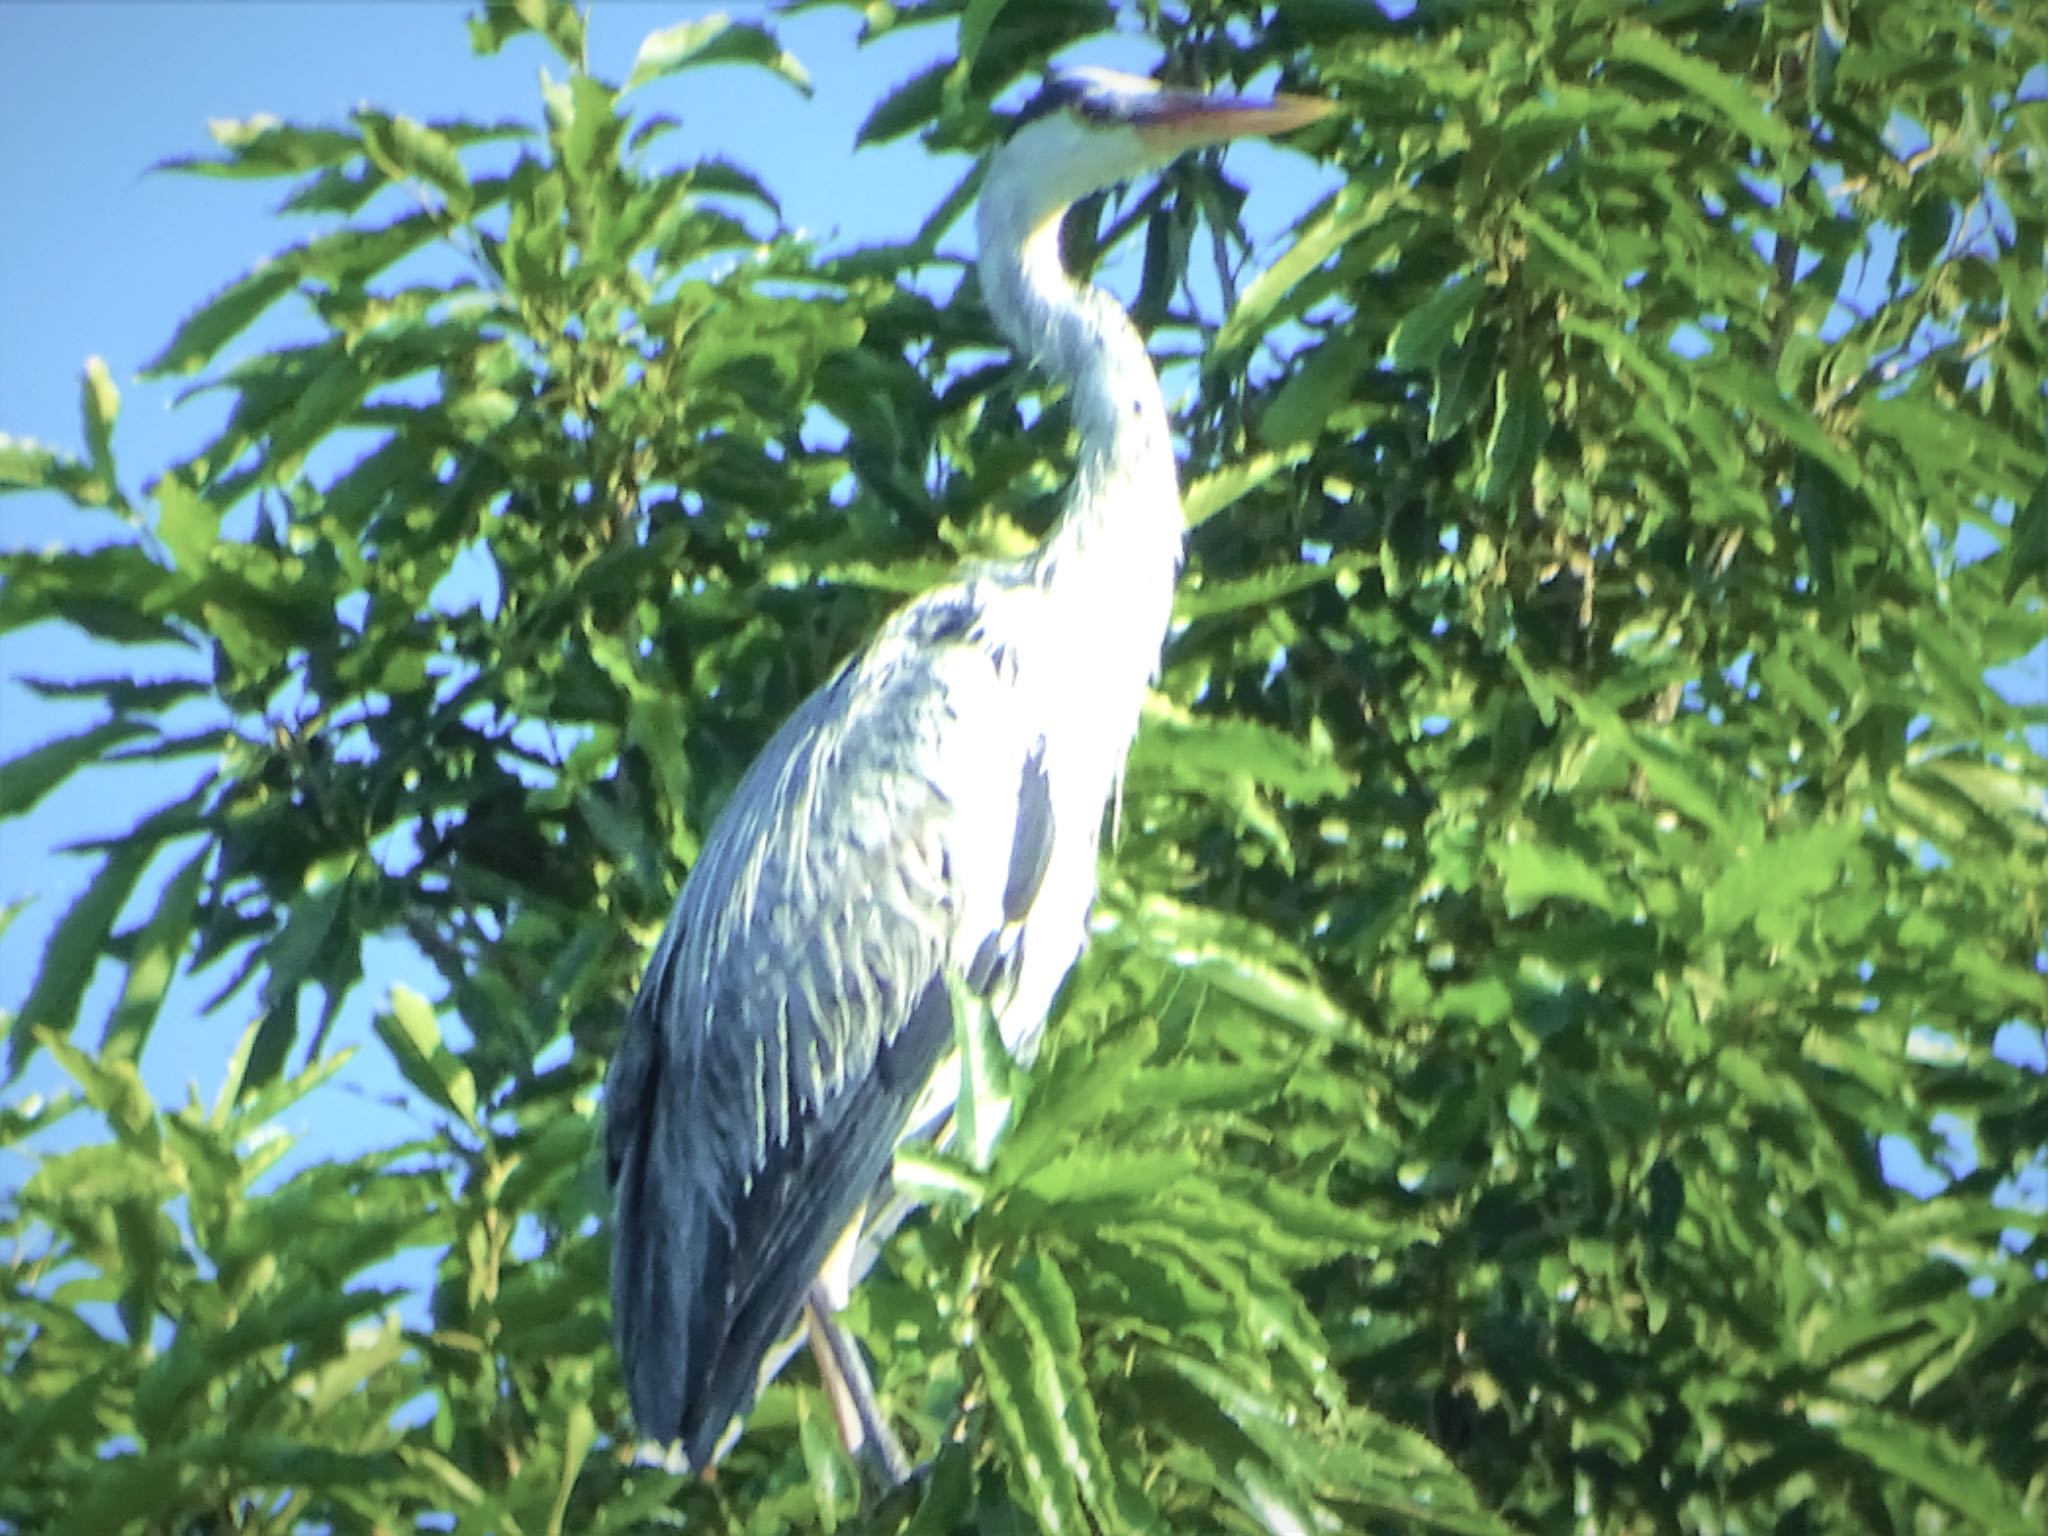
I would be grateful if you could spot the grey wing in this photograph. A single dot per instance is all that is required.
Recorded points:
(889, 835)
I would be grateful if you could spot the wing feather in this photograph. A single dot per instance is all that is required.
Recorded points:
(796, 1006)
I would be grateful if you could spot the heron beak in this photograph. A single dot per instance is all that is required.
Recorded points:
(1180, 120)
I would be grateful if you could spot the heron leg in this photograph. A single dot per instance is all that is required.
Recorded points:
(862, 1429)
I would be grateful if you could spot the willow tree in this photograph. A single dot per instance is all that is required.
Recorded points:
(1573, 836)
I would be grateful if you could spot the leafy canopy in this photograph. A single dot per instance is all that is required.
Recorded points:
(1572, 829)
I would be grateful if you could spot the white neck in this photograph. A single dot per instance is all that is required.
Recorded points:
(1124, 508)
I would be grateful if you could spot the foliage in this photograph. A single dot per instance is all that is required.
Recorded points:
(1573, 827)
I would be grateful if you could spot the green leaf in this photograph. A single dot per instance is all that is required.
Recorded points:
(412, 1033)
(1751, 392)
(578, 1436)
(1229, 955)
(1422, 334)
(911, 105)
(187, 522)
(1774, 883)
(100, 403)
(1075, 1091)
(559, 21)
(948, 1501)
(1459, 385)
(352, 256)
(1039, 1298)
(1086, 1179)
(27, 465)
(261, 146)
(1729, 97)
(975, 22)
(1352, 211)
(1202, 596)
(301, 945)
(1930, 1460)
(1315, 388)
(2026, 548)
(1519, 426)
(987, 1076)
(713, 40)
(584, 128)
(222, 318)
(1192, 746)
(730, 180)
(1533, 873)
(153, 958)
(127, 1492)
(1782, 674)
(370, 1352)
(407, 150)
(1597, 278)
(1927, 230)
(1211, 493)
(75, 950)
(26, 778)
(1668, 774)
(1028, 1405)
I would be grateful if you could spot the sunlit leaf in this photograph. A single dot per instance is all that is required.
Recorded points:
(1726, 95)
(713, 40)
(262, 146)
(222, 318)
(100, 402)
(412, 1034)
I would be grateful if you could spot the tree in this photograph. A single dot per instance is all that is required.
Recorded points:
(1574, 825)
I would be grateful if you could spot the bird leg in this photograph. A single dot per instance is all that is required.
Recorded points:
(862, 1429)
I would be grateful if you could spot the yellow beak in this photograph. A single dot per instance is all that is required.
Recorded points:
(1180, 120)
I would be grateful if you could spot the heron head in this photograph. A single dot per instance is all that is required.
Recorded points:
(1091, 128)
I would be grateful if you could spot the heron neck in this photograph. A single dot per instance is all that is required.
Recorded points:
(1124, 510)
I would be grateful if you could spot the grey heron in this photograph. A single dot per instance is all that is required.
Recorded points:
(923, 828)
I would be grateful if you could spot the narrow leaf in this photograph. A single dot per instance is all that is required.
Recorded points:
(1209, 495)
(1421, 335)
(1319, 383)
(1932, 1462)
(714, 39)
(2026, 549)
(412, 1033)
(1726, 95)
(261, 146)
(99, 404)
(910, 105)
(27, 778)
(1036, 1451)
(1519, 425)
(403, 148)
(153, 959)
(75, 950)
(1532, 874)
(222, 318)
